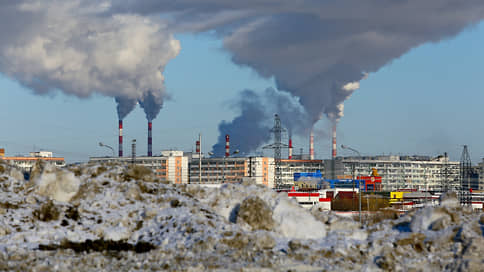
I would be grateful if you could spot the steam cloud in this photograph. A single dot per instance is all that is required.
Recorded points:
(77, 48)
(314, 48)
(151, 102)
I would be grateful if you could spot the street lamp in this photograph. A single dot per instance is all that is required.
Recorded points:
(103, 145)
(359, 185)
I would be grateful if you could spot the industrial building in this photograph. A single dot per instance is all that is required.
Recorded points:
(171, 165)
(401, 172)
(26, 163)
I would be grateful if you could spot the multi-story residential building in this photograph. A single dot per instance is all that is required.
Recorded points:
(481, 174)
(232, 170)
(260, 169)
(398, 172)
(289, 167)
(171, 165)
(26, 163)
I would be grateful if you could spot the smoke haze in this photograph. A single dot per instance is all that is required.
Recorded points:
(251, 128)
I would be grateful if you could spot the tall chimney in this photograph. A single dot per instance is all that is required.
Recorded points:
(150, 140)
(197, 145)
(290, 149)
(334, 142)
(227, 146)
(120, 148)
(311, 145)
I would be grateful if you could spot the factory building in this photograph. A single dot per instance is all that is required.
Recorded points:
(402, 172)
(26, 163)
(171, 165)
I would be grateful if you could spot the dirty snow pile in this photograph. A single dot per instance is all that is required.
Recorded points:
(111, 217)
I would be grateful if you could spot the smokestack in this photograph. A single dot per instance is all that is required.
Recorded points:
(150, 140)
(197, 144)
(290, 149)
(227, 146)
(334, 142)
(120, 151)
(311, 145)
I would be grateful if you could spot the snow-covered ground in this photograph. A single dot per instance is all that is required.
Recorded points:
(107, 217)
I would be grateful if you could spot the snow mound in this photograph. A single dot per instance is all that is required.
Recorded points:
(109, 217)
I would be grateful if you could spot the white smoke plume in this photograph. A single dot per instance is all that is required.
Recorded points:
(76, 48)
(314, 48)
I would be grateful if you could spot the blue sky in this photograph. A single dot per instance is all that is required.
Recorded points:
(427, 102)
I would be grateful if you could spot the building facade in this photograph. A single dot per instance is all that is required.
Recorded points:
(403, 172)
(259, 169)
(26, 163)
(232, 170)
(171, 165)
(480, 168)
(289, 167)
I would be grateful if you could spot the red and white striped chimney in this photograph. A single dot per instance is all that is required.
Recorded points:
(150, 140)
(334, 142)
(197, 146)
(290, 149)
(311, 145)
(120, 148)
(227, 146)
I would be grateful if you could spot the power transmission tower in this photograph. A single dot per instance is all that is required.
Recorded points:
(465, 176)
(277, 146)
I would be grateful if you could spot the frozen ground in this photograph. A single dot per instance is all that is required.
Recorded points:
(106, 217)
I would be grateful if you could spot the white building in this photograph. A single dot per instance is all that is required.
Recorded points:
(398, 172)
(26, 163)
(481, 174)
(171, 165)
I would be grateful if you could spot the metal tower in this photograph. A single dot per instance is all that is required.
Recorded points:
(465, 176)
(277, 146)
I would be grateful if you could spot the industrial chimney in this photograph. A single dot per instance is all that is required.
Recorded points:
(311, 145)
(290, 149)
(150, 142)
(334, 142)
(227, 146)
(120, 151)
(197, 145)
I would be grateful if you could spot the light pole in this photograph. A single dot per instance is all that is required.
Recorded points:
(359, 185)
(103, 145)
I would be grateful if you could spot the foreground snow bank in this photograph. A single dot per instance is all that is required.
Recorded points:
(109, 217)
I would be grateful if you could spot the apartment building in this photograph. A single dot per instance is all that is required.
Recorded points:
(171, 165)
(402, 172)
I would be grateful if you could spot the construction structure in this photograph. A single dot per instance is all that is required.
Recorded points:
(170, 165)
(469, 179)
(277, 146)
